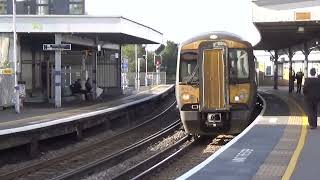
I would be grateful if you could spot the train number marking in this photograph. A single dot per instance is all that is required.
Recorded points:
(242, 155)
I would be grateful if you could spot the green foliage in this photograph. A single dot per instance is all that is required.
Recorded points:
(128, 51)
(169, 58)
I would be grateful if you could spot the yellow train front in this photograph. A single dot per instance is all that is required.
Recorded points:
(215, 86)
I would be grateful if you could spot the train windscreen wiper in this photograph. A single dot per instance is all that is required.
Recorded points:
(194, 80)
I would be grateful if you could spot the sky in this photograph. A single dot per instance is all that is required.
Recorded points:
(179, 20)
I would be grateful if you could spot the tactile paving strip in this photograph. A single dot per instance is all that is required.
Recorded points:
(277, 161)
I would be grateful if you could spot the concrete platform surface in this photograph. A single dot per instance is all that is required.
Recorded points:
(38, 116)
(277, 145)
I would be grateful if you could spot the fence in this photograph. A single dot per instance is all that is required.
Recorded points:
(153, 78)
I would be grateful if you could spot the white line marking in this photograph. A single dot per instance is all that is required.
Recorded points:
(225, 147)
(273, 120)
(80, 116)
(242, 155)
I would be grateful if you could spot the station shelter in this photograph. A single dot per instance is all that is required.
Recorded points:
(290, 33)
(46, 73)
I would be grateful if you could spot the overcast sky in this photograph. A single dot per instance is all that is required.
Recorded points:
(181, 19)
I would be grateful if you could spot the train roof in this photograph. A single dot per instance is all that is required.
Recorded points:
(219, 34)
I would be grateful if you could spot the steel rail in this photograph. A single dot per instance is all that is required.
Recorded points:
(155, 161)
(49, 162)
(116, 158)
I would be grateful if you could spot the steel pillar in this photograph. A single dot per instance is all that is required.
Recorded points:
(306, 53)
(291, 78)
(57, 73)
(275, 76)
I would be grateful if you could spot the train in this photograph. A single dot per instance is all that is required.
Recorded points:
(216, 86)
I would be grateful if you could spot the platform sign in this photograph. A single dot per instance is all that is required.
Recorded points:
(7, 71)
(302, 16)
(124, 65)
(56, 47)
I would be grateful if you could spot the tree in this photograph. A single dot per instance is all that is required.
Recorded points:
(128, 51)
(169, 60)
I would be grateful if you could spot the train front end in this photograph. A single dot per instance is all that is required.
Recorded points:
(215, 86)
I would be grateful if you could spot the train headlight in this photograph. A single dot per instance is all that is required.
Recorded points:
(236, 98)
(185, 97)
(188, 98)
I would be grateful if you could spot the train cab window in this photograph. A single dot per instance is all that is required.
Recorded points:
(189, 70)
(239, 65)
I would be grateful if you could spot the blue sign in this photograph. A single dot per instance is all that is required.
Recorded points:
(124, 65)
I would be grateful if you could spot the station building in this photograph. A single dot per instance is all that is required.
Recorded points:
(95, 49)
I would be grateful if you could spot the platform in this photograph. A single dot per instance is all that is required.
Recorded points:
(277, 145)
(18, 129)
(10, 122)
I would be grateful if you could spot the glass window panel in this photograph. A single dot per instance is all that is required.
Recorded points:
(42, 10)
(188, 65)
(239, 65)
(3, 7)
(77, 1)
(42, 1)
(76, 8)
(268, 71)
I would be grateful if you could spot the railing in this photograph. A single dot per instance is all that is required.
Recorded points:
(153, 78)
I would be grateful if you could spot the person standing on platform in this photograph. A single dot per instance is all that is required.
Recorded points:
(299, 77)
(292, 78)
(311, 91)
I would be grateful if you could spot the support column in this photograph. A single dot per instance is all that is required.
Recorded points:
(136, 68)
(94, 76)
(306, 53)
(83, 74)
(57, 72)
(119, 67)
(19, 58)
(275, 76)
(291, 78)
(33, 56)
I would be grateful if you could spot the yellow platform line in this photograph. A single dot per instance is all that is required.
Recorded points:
(294, 159)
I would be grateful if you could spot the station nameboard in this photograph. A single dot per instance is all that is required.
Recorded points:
(56, 47)
(7, 71)
(302, 16)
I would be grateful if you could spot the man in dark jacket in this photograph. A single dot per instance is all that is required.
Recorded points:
(291, 80)
(299, 76)
(312, 97)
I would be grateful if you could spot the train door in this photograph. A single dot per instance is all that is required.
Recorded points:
(214, 79)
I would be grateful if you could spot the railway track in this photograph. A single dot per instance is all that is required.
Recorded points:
(57, 167)
(118, 157)
(157, 161)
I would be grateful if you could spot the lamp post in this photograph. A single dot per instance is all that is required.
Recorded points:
(137, 78)
(16, 86)
(146, 58)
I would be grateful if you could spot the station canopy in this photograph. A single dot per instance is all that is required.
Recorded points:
(117, 30)
(286, 23)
